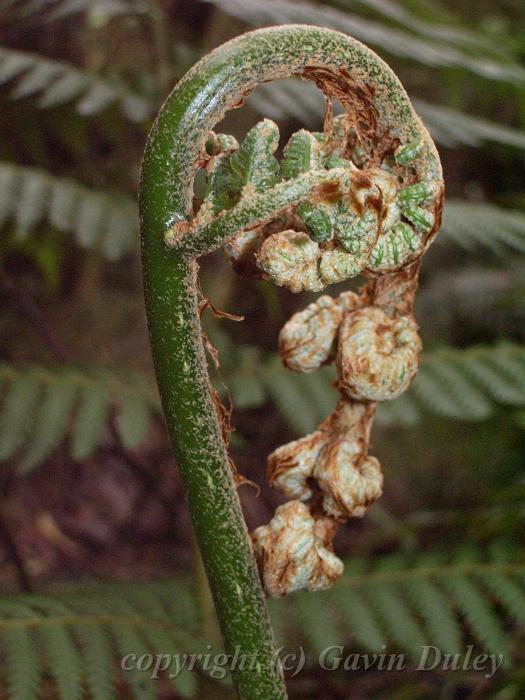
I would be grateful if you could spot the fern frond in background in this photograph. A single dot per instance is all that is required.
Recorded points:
(450, 127)
(100, 220)
(459, 384)
(41, 405)
(80, 639)
(439, 28)
(55, 83)
(59, 9)
(437, 53)
(425, 600)
(473, 225)
(487, 297)
(394, 601)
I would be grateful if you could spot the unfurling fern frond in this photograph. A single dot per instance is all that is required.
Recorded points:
(436, 52)
(55, 83)
(99, 220)
(41, 406)
(81, 638)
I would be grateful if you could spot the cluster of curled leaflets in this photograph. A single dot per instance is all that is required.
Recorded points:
(377, 219)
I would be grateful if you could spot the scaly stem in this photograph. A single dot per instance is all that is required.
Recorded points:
(220, 82)
(254, 210)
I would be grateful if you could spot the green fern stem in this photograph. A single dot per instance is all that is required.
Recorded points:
(253, 210)
(217, 83)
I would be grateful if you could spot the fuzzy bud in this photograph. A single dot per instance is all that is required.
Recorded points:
(289, 258)
(306, 341)
(294, 552)
(377, 355)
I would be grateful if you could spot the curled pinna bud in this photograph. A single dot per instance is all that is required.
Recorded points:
(349, 301)
(294, 551)
(289, 258)
(291, 465)
(338, 265)
(306, 341)
(350, 480)
(357, 232)
(319, 221)
(378, 355)
(241, 252)
(395, 248)
(336, 457)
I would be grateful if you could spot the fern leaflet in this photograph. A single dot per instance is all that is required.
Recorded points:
(30, 196)
(56, 83)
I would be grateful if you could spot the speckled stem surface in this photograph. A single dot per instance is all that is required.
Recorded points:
(217, 83)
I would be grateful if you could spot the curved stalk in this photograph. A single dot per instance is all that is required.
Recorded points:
(170, 245)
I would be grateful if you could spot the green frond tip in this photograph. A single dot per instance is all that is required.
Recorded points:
(254, 163)
(318, 221)
(301, 153)
(220, 193)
